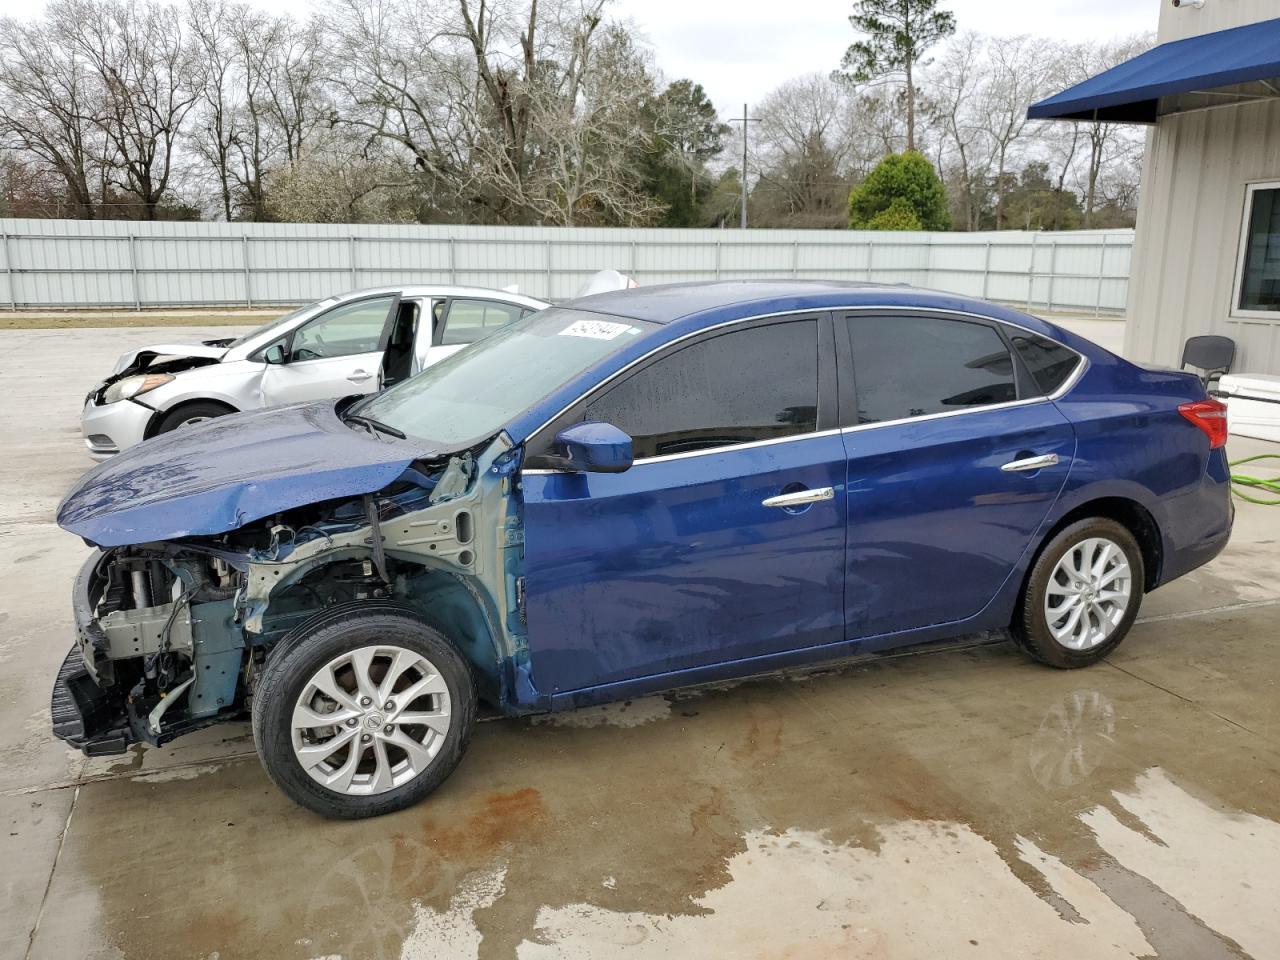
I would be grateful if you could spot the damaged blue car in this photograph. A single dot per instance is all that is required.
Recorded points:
(637, 491)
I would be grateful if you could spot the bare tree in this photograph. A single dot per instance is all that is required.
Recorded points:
(1016, 78)
(217, 128)
(1105, 141)
(965, 146)
(47, 103)
(582, 141)
(144, 66)
(805, 149)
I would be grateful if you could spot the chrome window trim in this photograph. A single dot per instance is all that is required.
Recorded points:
(728, 447)
(1067, 384)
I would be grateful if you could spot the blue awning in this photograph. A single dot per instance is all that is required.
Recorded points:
(1130, 92)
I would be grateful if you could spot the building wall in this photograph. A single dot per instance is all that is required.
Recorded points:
(1191, 211)
(1177, 23)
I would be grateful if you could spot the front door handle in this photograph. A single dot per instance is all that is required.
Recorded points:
(359, 376)
(800, 497)
(1031, 463)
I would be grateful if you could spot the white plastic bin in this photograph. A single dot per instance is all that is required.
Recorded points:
(1253, 404)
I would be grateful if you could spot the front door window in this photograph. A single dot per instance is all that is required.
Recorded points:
(344, 331)
(755, 384)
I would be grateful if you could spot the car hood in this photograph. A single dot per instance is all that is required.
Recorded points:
(218, 475)
(144, 355)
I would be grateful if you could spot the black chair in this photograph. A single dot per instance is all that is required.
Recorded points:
(1213, 355)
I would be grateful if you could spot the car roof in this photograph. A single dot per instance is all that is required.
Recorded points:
(693, 304)
(442, 290)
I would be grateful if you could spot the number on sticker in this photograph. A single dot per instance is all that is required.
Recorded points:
(596, 329)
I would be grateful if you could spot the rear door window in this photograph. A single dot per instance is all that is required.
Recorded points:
(759, 383)
(472, 320)
(906, 366)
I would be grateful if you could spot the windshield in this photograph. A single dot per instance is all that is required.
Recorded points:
(473, 393)
(277, 322)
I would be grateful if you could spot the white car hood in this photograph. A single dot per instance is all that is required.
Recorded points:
(198, 350)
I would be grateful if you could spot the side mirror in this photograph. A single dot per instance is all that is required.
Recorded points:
(274, 353)
(593, 447)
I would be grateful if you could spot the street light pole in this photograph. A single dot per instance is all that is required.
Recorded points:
(746, 121)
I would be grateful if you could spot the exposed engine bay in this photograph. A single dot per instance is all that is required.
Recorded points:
(171, 635)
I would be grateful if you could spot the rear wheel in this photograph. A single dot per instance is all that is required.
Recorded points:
(1082, 596)
(189, 413)
(363, 714)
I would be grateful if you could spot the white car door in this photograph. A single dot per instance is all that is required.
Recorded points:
(460, 321)
(335, 354)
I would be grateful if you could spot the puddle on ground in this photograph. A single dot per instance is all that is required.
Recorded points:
(897, 809)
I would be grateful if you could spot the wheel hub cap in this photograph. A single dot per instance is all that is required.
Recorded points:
(357, 749)
(1089, 593)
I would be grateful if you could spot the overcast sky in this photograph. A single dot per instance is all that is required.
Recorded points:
(741, 49)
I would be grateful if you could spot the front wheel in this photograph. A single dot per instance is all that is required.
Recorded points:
(363, 714)
(1082, 596)
(190, 413)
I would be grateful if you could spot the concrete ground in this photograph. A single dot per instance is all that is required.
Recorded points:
(958, 802)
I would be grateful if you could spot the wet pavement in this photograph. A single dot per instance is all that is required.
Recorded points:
(952, 801)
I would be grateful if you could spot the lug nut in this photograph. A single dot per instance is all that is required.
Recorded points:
(389, 729)
(365, 701)
(366, 737)
(352, 722)
(391, 705)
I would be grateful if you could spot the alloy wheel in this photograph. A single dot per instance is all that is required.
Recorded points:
(1088, 594)
(370, 720)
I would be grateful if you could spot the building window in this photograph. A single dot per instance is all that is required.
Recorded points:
(1259, 288)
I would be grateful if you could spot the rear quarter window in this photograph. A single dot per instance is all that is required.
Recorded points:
(1050, 364)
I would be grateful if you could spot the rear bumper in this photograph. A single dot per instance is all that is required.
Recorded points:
(1197, 525)
(112, 427)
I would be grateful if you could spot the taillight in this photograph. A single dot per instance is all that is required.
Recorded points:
(1211, 417)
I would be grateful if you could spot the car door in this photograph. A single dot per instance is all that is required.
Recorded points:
(465, 320)
(954, 460)
(335, 354)
(724, 541)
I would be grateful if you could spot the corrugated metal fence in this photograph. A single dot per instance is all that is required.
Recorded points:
(77, 263)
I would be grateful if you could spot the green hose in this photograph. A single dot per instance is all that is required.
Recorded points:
(1240, 480)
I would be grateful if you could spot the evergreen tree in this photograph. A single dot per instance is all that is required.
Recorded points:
(897, 34)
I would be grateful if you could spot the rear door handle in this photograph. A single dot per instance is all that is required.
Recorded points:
(359, 376)
(1031, 463)
(800, 497)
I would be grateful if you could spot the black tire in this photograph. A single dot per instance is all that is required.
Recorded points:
(296, 659)
(1030, 628)
(196, 410)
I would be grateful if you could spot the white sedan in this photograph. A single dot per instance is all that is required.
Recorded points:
(357, 342)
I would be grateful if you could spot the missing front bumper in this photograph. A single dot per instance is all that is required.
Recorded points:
(84, 715)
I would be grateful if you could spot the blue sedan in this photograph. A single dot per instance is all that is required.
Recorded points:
(636, 491)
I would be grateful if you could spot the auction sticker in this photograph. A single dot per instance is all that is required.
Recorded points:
(596, 329)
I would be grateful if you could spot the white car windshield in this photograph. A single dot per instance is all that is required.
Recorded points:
(475, 392)
(278, 322)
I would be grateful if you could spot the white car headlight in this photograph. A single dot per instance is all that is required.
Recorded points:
(134, 386)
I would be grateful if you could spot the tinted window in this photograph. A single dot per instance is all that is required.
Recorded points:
(754, 384)
(913, 366)
(1260, 285)
(470, 320)
(349, 329)
(1050, 363)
